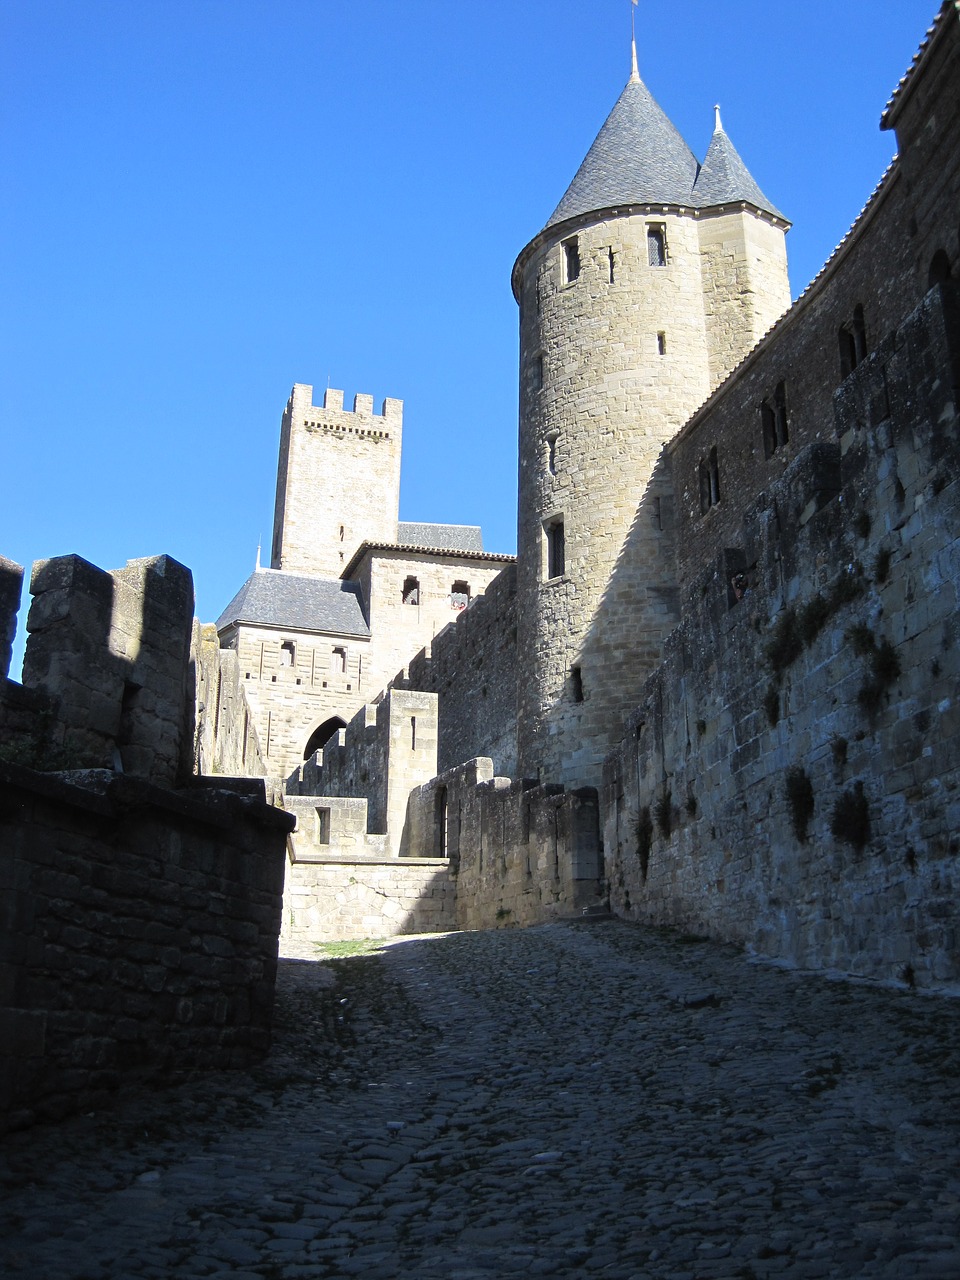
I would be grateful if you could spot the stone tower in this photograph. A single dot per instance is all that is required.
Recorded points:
(338, 481)
(652, 279)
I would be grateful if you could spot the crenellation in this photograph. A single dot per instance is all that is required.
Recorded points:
(11, 588)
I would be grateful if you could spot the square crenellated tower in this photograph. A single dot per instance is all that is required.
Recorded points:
(338, 481)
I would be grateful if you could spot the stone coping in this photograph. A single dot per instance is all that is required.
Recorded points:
(360, 861)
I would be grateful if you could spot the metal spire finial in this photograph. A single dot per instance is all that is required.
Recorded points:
(718, 126)
(635, 72)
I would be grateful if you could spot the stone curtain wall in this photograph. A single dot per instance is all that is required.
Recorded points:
(139, 934)
(111, 651)
(226, 739)
(11, 586)
(330, 900)
(793, 780)
(472, 668)
(386, 750)
(523, 854)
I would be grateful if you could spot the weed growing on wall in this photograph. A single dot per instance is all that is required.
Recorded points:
(850, 820)
(644, 839)
(663, 812)
(884, 666)
(799, 791)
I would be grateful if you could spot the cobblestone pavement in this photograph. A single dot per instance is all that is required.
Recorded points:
(573, 1100)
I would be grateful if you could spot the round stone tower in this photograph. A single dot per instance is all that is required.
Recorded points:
(654, 276)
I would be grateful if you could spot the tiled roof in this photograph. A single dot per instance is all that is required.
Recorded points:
(891, 109)
(639, 157)
(416, 549)
(725, 179)
(273, 598)
(455, 537)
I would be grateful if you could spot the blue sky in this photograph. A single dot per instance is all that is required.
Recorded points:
(205, 201)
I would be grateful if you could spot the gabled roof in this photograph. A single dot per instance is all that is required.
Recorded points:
(638, 157)
(453, 537)
(725, 179)
(296, 602)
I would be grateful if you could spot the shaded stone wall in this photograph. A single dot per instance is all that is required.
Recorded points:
(11, 586)
(792, 780)
(139, 934)
(226, 739)
(472, 668)
(112, 652)
(523, 854)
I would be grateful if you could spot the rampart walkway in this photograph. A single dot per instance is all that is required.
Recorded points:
(565, 1101)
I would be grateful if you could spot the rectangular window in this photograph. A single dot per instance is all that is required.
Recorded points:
(538, 373)
(661, 344)
(339, 661)
(611, 258)
(322, 826)
(657, 245)
(576, 683)
(709, 481)
(571, 260)
(413, 733)
(556, 548)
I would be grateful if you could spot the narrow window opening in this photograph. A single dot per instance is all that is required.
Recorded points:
(768, 423)
(576, 683)
(460, 595)
(662, 344)
(556, 549)
(611, 259)
(443, 815)
(322, 826)
(340, 660)
(709, 481)
(552, 452)
(714, 477)
(538, 373)
(288, 654)
(860, 333)
(411, 591)
(848, 352)
(571, 260)
(780, 414)
(940, 269)
(341, 533)
(413, 733)
(657, 246)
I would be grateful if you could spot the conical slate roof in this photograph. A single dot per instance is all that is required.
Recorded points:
(725, 179)
(638, 157)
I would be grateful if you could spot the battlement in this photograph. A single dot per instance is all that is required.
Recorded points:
(330, 414)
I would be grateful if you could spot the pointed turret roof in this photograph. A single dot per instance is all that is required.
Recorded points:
(638, 157)
(725, 179)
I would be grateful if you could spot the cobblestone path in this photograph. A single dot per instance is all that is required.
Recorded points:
(574, 1100)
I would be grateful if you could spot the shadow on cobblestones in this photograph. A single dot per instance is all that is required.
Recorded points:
(573, 1100)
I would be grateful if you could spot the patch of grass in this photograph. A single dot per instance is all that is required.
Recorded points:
(799, 790)
(691, 805)
(884, 662)
(850, 820)
(812, 618)
(838, 749)
(350, 947)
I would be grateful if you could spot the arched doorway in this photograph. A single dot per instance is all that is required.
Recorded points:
(320, 737)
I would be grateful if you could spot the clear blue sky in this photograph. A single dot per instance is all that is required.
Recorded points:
(205, 201)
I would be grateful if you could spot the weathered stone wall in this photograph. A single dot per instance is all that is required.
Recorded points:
(472, 668)
(401, 630)
(331, 677)
(11, 586)
(338, 481)
(112, 651)
(226, 740)
(330, 900)
(793, 780)
(387, 749)
(523, 854)
(139, 934)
